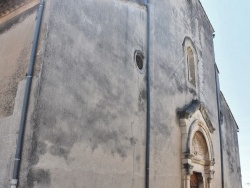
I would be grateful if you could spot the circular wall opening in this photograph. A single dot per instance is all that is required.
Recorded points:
(139, 59)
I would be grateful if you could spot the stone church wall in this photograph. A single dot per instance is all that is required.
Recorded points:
(17, 24)
(15, 40)
(89, 125)
(173, 21)
(230, 147)
(87, 121)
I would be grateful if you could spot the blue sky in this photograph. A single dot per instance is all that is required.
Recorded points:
(231, 21)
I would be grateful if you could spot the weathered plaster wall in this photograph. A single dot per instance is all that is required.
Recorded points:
(89, 125)
(230, 147)
(16, 36)
(14, 52)
(15, 49)
(172, 21)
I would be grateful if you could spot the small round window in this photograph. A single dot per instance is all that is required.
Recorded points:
(139, 57)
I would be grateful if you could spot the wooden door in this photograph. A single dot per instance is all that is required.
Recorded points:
(194, 181)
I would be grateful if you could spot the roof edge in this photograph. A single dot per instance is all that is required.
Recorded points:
(206, 16)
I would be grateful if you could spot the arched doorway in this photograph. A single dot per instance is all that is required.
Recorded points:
(198, 159)
(197, 147)
(196, 180)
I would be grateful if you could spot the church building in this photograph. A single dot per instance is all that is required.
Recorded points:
(112, 94)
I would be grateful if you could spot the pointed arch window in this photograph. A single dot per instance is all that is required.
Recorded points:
(191, 61)
(191, 66)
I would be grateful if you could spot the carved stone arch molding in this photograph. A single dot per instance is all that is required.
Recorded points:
(197, 146)
(197, 127)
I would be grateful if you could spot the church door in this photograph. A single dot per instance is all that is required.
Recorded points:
(194, 181)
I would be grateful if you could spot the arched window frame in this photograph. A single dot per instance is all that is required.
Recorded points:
(191, 62)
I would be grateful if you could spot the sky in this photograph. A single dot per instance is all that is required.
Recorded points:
(231, 22)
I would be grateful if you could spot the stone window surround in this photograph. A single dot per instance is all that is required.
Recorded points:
(189, 44)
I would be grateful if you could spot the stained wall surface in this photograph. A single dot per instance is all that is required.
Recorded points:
(15, 49)
(92, 102)
(16, 35)
(87, 121)
(230, 147)
(89, 124)
(172, 22)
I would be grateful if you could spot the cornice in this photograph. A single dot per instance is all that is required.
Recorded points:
(191, 108)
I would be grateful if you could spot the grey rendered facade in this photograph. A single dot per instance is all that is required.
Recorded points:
(87, 115)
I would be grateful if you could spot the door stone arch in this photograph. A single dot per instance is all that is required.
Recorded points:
(197, 147)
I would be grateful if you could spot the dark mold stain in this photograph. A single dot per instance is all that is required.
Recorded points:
(41, 148)
(142, 100)
(67, 112)
(133, 141)
(34, 150)
(138, 158)
(109, 139)
(105, 137)
(138, 1)
(122, 152)
(59, 151)
(238, 170)
(160, 126)
(181, 88)
(40, 176)
(191, 90)
(163, 129)
(143, 94)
